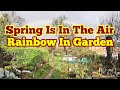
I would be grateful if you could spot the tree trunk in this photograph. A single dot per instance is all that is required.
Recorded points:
(109, 54)
(108, 50)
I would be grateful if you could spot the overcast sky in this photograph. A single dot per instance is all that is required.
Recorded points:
(41, 18)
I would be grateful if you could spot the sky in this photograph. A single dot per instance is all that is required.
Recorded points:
(41, 18)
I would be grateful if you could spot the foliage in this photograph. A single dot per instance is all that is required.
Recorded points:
(113, 19)
(8, 18)
(59, 75)
(28, 56)
(39, 74)
(5, 58)
(60, 68)
(81, 52)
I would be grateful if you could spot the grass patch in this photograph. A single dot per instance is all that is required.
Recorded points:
(39, 74)
(59, 75)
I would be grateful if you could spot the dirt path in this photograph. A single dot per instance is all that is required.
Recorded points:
(48, 76)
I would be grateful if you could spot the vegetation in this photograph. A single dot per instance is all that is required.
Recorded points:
(111, 18)
(61, 21)
(28, 56)
(31, 59)
(8, 18)
(60, 69)
(40, 73)
(39, 61)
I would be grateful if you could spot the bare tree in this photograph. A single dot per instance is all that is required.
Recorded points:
(61, 21)
(111, 18)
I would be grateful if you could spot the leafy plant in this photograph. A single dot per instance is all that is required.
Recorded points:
(28, 56)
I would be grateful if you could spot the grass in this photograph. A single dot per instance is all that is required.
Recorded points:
(59, 75)
(40, 73)
(60, 69)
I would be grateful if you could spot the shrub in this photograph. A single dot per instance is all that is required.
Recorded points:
(28, 56)
(40, 73)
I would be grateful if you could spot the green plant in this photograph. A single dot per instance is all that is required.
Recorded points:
(28, 56)
(40, 73)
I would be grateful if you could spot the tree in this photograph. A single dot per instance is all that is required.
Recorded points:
(112, 19)
(8, 18)
(61, 21)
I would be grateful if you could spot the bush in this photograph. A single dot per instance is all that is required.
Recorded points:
(5, 58)
(28, 56)
(39, 74)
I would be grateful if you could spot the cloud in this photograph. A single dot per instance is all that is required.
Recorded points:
(42, 18)
(40, 23)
